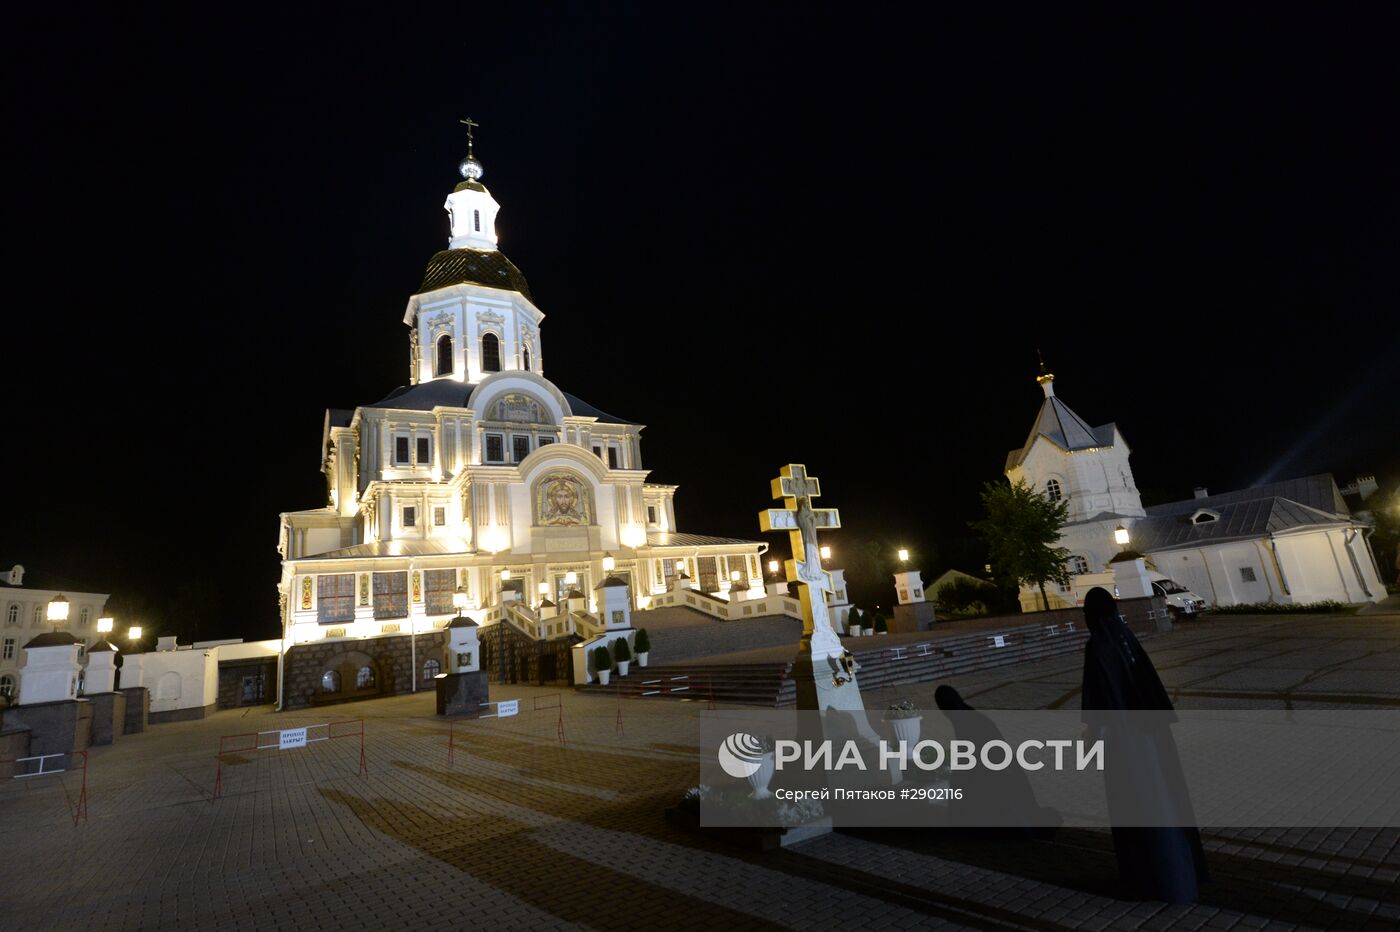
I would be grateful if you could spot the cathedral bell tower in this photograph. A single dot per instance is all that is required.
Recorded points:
(471, 209)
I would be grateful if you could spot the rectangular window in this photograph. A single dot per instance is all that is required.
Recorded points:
(439, 516)
(520, 448)
(391, 595)
(544, 441)
(9, 653)
(425, 451)
(335, 598)
(612, 457)
(82, 649)
(597, 451)
(83, 618)
(1247, 574)
(401, 451)
(651, 514)
(439, 586)
(410, 516)
(495, 448)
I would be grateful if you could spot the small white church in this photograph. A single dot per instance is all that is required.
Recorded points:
(1289, 542)
(481, 482)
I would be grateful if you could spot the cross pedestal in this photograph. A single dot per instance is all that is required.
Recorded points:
(824, 671)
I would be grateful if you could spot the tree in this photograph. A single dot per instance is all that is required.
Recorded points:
(1022, 533)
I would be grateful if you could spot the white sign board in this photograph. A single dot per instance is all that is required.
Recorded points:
(291, 738)
(507, 707)
(999, 641)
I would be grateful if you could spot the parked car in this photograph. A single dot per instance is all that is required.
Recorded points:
(1180, 600)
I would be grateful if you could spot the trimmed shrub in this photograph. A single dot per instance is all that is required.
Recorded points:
(1275, 608)
(602, 660)
(854, 619)
(880, 626)
(643, 643)
(621, 651)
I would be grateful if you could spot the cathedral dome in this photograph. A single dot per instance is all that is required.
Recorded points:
(487, 267)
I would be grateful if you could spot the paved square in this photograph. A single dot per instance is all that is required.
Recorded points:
(521, 832)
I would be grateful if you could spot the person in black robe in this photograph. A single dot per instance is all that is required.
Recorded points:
(1142, 771)
(1002, 803)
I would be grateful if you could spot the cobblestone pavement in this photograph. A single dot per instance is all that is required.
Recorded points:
(523, 832)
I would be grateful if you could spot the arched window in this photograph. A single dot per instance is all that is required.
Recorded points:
(330, 682)
(476, 220)
(12, 614)
(443, 365)
(38, 615)
(431, 668)
(7, 686)
(83, 617)
(490, 353)
(1053, 490)
(527, 360)
(1078, 565)
(364, 678)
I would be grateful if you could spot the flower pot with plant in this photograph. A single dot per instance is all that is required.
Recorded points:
(905, 719)
(642, 645)
(880, 626)
(602, 664)
(761, 777)
(853, 621)
(622, 656)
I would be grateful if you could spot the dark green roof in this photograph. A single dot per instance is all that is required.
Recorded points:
(487, 267)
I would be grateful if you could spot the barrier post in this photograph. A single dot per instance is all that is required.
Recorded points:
(619, 707)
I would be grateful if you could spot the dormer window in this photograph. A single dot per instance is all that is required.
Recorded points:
(443, 365)
(1205, 516)
(1053, 490)
(490, 353)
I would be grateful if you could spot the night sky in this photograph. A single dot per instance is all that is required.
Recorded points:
(770, 233)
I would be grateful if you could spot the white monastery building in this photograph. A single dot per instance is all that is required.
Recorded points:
(1289, 542)
(482, 478)
(24, 599)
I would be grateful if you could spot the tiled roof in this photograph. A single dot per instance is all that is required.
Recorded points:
(1058, 424)
(488, 267)
(1242, 520)
(667, 539)
(1319, 491)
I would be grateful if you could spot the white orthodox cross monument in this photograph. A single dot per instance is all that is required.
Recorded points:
(824, 671)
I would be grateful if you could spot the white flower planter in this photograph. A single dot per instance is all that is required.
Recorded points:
(882, 632)
(907, 730)
(604, 676)
(761, 777)
(642, 659)
(853, 632)
(622, 667)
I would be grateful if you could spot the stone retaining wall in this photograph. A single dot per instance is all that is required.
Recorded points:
(389, 659)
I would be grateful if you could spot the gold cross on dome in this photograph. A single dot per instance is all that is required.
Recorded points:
(470, 124)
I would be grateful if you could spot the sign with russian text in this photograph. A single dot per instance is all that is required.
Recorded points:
(507, 707)
(291, 738)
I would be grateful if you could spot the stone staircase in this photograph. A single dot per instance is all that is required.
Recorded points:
(947, 658)
(901, 663)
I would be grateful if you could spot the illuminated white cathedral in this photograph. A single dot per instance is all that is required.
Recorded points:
(482, 477)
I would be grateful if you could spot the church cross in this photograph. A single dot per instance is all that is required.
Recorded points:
(470, 124)
(801, 521)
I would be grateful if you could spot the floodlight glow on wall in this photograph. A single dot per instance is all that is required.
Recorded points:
(58, 609)
(609, 563)
(104, 625)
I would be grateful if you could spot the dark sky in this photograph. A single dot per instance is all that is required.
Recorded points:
(769, 232)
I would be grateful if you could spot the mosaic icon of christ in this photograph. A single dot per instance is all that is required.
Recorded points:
(561, 499)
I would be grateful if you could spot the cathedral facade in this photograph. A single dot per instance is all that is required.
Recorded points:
(481, 482)
(1290, 542)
